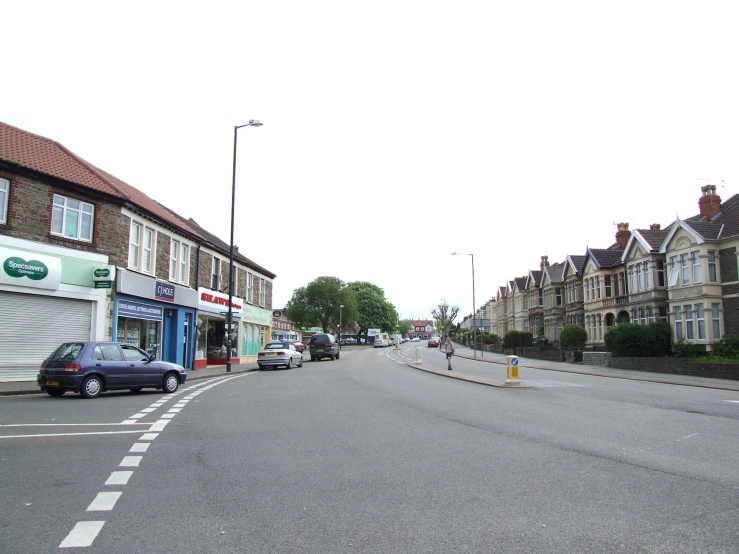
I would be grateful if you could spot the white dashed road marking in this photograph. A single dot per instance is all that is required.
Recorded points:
(140, 447)
(83, 534)
(119, 478)
(104, 502)
(131, 461)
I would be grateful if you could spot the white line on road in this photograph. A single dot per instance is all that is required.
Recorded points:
(737, 401)
(131, 461)
(104, 502)
(168, 416)
(119, 478)
(65, 424)
(148, 410)
(174, 410)
(159, 425)
(83, 534)
(140, 447)
(66, 434)
(148, 436)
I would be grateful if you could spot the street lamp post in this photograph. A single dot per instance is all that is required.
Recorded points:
(252, 123)
(474, 327)
(341, 308)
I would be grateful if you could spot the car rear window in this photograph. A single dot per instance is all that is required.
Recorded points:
(277, 346)
(67, 351)
(320, 340)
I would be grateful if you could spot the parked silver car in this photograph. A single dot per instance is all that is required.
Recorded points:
(279, 353)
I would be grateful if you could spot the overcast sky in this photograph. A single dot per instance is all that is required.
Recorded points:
(395, 132)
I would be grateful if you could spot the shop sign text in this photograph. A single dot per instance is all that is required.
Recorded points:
(206, 297)
(18, 267)
(165, 291)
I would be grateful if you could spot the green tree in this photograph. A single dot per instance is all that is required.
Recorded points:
(573, 337)
(318, 304)
(373, 309)
(405, 326)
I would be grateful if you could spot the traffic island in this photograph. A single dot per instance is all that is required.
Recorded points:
(470, 378)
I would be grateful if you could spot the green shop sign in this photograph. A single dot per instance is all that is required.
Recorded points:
(29, 269)
(101, 273)
(18, 268)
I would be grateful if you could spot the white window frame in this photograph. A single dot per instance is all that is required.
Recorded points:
(660, 273)
(174, 266)
(678, 323)
(685, 265)
(700, 321)
(696, 262)
(640, 276)
(648, 276)
(262, 292)
(712, 267)
(60, 202)
(634, 279)
(674, 272)
(4, 200)
(184, 263)
(250, 287)
(216, 262)
(716, 319)
(137, 251)
(689, 325)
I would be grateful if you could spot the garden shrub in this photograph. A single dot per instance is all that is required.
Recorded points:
(573, 337)
(727, 347)
(629, 339)
(685, 349)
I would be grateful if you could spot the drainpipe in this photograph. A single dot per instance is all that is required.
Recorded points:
(195, 322)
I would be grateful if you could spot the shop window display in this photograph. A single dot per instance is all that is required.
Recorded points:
(141, 332)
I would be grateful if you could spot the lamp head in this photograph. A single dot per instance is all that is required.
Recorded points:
(255, 123)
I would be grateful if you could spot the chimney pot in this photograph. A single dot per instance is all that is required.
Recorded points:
(654, 227)
(709, 203)
(622, 235)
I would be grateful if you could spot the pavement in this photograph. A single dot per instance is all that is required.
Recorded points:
(31, 387)
(583, 369)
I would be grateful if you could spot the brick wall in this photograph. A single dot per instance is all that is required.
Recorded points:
(728, 264)
(162, 261)
(268, 295)
(597, 358)
(206, 267)
(194, 267)
(676, 366)
(241, 283)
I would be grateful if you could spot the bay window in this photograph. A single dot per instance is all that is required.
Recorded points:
(678, 324)
(673, 271)
(716, 319)
(685, 262)
(660, 273)
(712, 273)
(697, 277)
(700, 321)
(688, 311)
(648, 275)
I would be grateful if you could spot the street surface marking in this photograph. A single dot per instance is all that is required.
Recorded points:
(65, 424)
(83, 534)
(66, 434)
(148, 436)
(553, 384)
(737, 401)
(168, 416)
(119, 478)
(174, 410)
(104, 502)
(139, 447)
(131, 461)
(148, 410)
(159, 425)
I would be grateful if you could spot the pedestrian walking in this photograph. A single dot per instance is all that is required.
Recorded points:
(449, 349)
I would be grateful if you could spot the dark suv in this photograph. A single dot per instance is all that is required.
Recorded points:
(323, 345)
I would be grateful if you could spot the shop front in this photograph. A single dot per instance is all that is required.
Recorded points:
(213, 339)
(256, 327)
(47, 297)
(157, 316)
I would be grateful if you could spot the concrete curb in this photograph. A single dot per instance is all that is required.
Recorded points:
(469, 378)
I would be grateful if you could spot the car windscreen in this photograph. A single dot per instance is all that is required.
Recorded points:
(67, 351)
(277, 346)
(320, 340)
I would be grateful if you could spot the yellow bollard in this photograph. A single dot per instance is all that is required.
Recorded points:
(511, 369)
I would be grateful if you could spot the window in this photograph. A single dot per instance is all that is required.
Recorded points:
(600, 327)
(642, 316)
(174, 249)
(712, 273)
(184, 263)
(558, 295)
(597, 286)
(634, 316)
(673, 271)
(262, 292)
(587, 325)
(140, 247)
(688, 310)
(587, 290)
(250, 288)
(663, 313)
(4, 194)
(72, 218)
(697, 278)
(215, 276)
(716, 317)
(685, 262)
(640, 275)
(634, 283)
(660, 273)
(678, 324)
(650, 314)
(526, 302)
(648, 275)
(607, 281)
(699, 318)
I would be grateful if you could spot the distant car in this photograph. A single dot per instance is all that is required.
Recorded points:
(350, 340)
(90, 368)
(433, 342)
(415, 339)
(279, 353)
(323, 345)
(379, 343)
(299, 346)
(393, 341)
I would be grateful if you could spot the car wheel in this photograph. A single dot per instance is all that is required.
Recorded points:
(135, 390)
(54, 391)
(170, 383)
(332, 357)
(261, 367)
(337, 355)
(92, 387)
(289, 363)
(312, 358)
(301, 362)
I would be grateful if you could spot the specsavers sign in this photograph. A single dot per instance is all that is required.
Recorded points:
(29, 269)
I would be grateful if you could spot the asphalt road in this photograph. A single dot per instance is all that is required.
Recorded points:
(366, 454)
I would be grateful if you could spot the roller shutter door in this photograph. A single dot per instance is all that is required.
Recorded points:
(32, 326)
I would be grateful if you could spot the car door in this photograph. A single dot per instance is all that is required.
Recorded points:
(108, 360)
(142, 372)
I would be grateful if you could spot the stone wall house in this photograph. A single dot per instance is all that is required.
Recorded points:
(552, 286)
(520, 304)
(535, 299)
(501, 300)
(703, 285)
(574, 309)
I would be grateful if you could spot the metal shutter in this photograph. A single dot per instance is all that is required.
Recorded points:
(32, 326)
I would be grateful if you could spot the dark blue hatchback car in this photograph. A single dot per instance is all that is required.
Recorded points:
(93, 367)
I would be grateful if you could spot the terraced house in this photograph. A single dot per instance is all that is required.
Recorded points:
(116, 264)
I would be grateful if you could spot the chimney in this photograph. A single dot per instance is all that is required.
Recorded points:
(622, 235)
(709, 203)
(654, 227)
(544, 262)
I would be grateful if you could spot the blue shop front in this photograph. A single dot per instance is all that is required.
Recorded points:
(156, 315)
